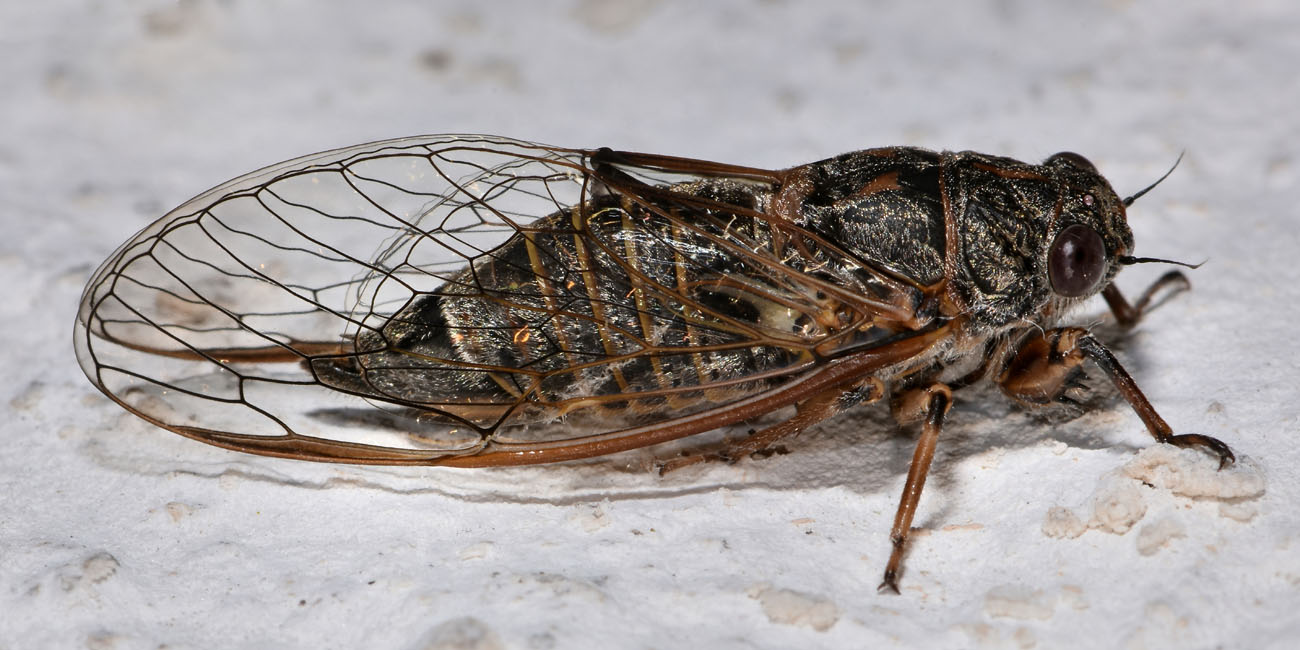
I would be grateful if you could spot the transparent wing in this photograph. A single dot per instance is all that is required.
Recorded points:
(429, 299)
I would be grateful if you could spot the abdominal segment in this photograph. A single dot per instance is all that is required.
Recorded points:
(610, 305)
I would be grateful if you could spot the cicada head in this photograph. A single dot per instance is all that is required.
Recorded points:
(1090, 234)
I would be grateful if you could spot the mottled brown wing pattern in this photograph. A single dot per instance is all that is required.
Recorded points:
(447, 299)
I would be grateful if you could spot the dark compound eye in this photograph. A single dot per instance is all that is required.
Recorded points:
(1077, 261)
(1074, 159)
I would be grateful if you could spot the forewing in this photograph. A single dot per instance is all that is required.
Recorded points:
(429, 298)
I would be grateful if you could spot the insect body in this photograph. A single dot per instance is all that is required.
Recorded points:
(478, 301)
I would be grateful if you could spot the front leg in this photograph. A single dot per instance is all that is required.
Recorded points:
(1129, 315)
(1046, 366)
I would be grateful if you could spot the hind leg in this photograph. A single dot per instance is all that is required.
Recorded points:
(809, 413)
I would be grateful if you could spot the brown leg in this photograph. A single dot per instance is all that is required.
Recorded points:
(1128, 315)
(938, 398)
(1159, 429)
(1045, 367)
(810, 412)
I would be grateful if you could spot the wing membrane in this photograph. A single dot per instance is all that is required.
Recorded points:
(437, 298)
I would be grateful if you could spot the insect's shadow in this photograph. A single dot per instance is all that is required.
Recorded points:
(863, 451)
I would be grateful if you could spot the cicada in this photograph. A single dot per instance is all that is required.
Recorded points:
(479, 301)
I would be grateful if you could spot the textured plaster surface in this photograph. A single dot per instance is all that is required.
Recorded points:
(1033, 532)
